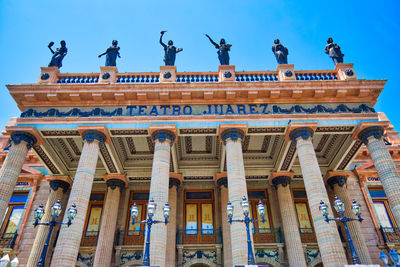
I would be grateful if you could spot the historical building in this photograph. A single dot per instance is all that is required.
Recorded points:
(198, 140)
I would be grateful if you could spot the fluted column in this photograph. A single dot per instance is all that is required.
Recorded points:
(68, 243)
(328, 238)
(372, 137)
(105, 243)
(175, 180)
(20, 143)
(294, 248)
(237, 188)
(163, 140)
(57, 191)
(222, 183)
(337, 184)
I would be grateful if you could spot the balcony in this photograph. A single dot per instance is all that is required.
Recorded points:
(307, 235)
(390, 234)
(7, 240)
(90, 239)
(199, 236)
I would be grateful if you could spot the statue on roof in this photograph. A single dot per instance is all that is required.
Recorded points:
(170, 51)
(58, 55)
(280, 52)
(111, 54)
(223, 50)
(333, 50)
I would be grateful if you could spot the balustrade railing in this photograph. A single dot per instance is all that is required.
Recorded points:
(78, 78)
(315, 75)
(7, 240)
(256, 76)
(151, 77)
(390, 234)
(196, 77)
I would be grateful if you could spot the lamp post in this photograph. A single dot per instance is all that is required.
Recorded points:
(151, 208)
(393, 255)
(55, 211)
(340, 208)
(246, 211)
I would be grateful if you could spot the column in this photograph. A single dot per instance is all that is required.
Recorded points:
(328, 238)
(372, 137)
(222, 183)
(57, 191)
(20, 143)
(294, 247)
(337, 183)
(105, 244)
(163, 140)
(237, 188)
(175, 180)
(68, 243)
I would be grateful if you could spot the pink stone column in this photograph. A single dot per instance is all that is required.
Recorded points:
(328, 238)
(222, 183)
(68, 243)
(237, 188)
(163, 139)
(105, 242)
(337, 183)
(175, 181)
(20, 143)
(58, 189)
(372, 137)
(294, 247)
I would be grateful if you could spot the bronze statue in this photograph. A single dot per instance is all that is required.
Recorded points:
(280, 52)
(223, 49)
(170, 51)
(112, 52)
(58, 55)
(333, 50)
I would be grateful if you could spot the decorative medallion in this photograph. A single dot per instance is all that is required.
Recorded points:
(349, 72)
(45, 76)
(227, 74)
(167, 75)
(288, 73)
(106, 76)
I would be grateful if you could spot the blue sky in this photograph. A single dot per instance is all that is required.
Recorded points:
(367, 31)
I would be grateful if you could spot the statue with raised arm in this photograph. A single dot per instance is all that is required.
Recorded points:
(58, 55)
(223, 50)
(280, 52)
(111, 54)
(333, 50)
(170, 51)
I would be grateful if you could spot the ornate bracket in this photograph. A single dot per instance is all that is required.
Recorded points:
(303, 132)
(375, 131)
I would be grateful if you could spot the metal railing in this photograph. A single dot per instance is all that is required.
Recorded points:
(390, 234)
(89, 239)
(132, 237)
(307, 235)
(7, 240)
(199, 236)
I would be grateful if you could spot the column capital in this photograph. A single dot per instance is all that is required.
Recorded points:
(55, 184)
(27, 134)
(163, 133)
(303, 130)
(333, 177)
(175, 179)
(221, 179)
(232, 131)
(114, 180)
(281, 178)
(367, 129)
(94, 132)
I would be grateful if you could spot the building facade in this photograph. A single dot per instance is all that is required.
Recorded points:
(106, 141)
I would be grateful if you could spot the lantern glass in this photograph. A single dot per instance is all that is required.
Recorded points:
(56, 209)
(356, 208)
(261, 209)
(339, 205)
(245, 206)
(134, 211)
(151, 208)
(384, 258)
(39, 212)
(323, 208)
(394, 255)
(229, 210)
(166, 210)
(72, 211)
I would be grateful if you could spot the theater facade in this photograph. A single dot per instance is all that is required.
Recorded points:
(198, 140)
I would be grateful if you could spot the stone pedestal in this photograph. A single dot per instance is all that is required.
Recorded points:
(286, 72)
(68, 243)
(294, 248)
(226, 73)
(232, 136)
(328, 238)
(167, 74)
(108, 74)
(345, 71)
(59, 185)
(337, 182)
(48, 75)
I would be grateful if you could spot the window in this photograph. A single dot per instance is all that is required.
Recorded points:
(303, 216)
(262, 231)
(134, 234)
(382, 209)
(93, 218)
(199, 217)
(12, 218)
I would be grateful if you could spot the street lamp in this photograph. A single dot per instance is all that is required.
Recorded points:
(393, 255)
(340, 208)
(151, 208)
(246, 210)
(55, 211)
